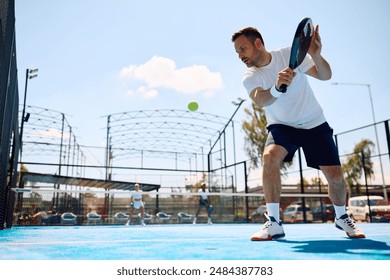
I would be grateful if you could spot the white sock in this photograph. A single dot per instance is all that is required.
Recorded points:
(340, 210)
(273, 210)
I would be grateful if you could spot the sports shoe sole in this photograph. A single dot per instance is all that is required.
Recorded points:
(274, 237)
(351, 236)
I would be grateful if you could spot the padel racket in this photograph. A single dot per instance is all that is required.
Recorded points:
(300, 45)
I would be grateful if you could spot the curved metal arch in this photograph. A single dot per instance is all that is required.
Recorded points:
(168, 134)
(44, 112)
(48, 133)
(171, 126)
(125, 154)
(162, 144)
(42, 148)
(177, 132)
(162, 139)
(167, 113)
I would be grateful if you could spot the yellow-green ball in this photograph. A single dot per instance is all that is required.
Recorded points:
(193, 106)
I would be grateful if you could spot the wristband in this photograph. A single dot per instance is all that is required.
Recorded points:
(275, 92)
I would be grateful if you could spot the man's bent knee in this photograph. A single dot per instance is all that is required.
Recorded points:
(274, 155)
(333, 174)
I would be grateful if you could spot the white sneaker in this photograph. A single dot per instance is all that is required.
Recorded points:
(194, 222)
(348, 225)
(271, 230)
(143, 224)
(209, 222)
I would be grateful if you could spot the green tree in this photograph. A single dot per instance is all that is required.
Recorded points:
(23, 169)
(353, 167)
(305, 183)
(317, 181)
(255, 129)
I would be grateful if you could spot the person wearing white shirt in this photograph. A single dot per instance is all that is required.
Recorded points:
(136, 202)
(203, 203)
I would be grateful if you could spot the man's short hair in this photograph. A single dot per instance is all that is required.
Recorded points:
(249, 32)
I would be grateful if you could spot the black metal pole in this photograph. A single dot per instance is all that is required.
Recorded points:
(302, 186)
(387, 136)
(108, 147)
(365, 181)
(23, 115)
(246, 191)
(231, 118)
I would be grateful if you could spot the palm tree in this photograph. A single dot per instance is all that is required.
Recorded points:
(353, 167)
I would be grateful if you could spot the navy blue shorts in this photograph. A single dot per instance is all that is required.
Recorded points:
(317, 143)
(204, 202)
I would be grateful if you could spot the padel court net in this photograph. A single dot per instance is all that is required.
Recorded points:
(86, 206)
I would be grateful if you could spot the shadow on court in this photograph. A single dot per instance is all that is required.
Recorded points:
(360, 247)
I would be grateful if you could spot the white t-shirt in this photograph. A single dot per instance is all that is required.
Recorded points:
(298, 107)
(137, 199)
(203, 194)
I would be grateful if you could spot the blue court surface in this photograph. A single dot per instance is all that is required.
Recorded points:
(192, 242)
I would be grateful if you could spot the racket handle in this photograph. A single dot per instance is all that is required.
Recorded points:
(283, 88)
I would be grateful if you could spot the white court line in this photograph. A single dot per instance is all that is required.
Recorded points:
(159, 240)
(289, 237)
(333, 235)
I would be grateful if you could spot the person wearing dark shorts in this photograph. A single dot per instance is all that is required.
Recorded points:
(295, 120)
(204, 203)
(317, 143)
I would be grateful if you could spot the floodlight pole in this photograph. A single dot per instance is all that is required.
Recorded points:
(30, 74)
(376, 131)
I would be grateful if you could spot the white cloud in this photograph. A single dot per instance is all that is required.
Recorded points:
(144, 92)
(161, 72)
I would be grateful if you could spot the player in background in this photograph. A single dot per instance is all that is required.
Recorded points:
(136, 202)
(203, 203)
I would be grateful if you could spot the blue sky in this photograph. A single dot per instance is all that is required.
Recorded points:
(94, 57)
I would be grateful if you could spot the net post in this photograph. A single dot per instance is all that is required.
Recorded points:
(246, 192)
